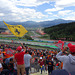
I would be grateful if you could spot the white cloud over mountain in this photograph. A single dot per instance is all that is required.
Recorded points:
(11, 10)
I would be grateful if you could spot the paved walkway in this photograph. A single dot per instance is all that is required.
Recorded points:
(38, 73)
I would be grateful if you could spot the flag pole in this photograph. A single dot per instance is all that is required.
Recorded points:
(22, 44)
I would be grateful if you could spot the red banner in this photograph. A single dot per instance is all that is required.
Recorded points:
(9, 52)
(60, 44)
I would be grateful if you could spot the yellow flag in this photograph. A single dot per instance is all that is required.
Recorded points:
(17, 30)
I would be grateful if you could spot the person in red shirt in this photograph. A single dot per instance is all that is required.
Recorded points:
(41, 63)
(19, 57)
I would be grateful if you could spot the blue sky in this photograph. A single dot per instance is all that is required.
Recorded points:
(36, 10)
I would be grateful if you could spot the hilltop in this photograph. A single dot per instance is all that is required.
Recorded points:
(62, 31)
(33, 24)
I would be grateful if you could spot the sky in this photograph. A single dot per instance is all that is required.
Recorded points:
(36, 10)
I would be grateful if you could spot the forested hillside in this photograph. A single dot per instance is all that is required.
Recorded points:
(62, 31)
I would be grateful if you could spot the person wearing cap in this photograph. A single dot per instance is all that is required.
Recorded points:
(19, 57)
(68, 60)
(41, 63)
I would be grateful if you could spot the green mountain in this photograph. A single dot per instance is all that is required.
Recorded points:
(62, 31)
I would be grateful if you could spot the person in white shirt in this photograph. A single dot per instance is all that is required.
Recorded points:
(68, 61)
(27, 61)
(1, 68)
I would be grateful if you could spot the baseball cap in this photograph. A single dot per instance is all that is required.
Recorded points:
(19, 48)
(71, 47)
(40, 57)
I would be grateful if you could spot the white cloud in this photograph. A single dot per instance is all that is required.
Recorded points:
(29, 3)
(50, 13)
(9, 11)
(65, 3)
(58, 9)
(61, 4)
(69, 18)
(13, 13)
(1, 14)
(55, 16)
(53, 9)
(44, 20)
(67, 14)
(24, 15)
(64, 12)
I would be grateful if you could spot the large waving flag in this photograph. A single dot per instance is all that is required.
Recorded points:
(17, 30)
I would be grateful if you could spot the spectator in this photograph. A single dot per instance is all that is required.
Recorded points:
(68, 61)
(7, 60)
(11, 66)
(27, 61)
(61, 65)
(15, 66)
(1, 67)
(19, 57)
(44, 59)
(50, 65)
(11, 69)
(41, 63)
(36, 65)
(57, 65)
(4, 64)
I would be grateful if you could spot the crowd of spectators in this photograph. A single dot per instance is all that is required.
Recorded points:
(25, 60)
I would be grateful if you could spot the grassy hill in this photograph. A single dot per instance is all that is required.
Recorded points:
(66, 31)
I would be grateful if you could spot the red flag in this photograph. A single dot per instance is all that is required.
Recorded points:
(60, 44)
(9, 52)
